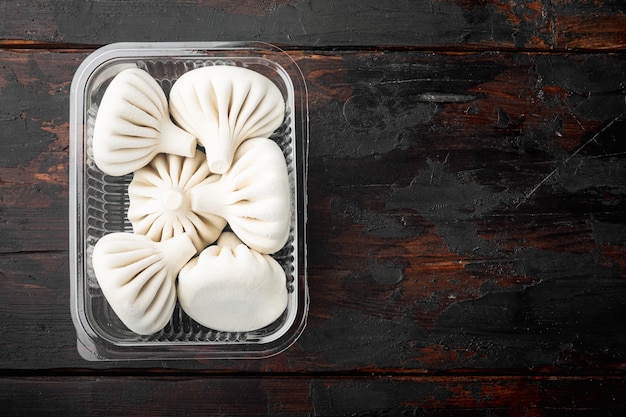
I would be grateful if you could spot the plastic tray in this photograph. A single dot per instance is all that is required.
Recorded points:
(99, 202)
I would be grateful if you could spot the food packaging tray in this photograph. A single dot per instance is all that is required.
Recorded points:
(99, 203)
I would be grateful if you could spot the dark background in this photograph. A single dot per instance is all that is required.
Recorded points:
(466, 219)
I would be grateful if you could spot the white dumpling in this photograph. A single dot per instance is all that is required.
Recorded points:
(232, 288)
(133, 125)
(225, 105)
(137, 277)
(253, 196)
(160, 202)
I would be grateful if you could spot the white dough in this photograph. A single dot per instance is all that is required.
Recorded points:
(133, 125)
(181, 200)
(232, 288)
(137, 277)
(224, 106)
(253, 196)
(160, 200)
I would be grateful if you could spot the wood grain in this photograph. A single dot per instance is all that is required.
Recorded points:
(466, 220)
(541, 25)
(316, 396)
(466, 213)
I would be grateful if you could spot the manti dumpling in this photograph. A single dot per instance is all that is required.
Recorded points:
(160, 200)
(232, 288)
(138, 277)
(253, 196)
(133, 125)
(225, 105)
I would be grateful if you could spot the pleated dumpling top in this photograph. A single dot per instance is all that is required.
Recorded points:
(233, 288)
(133, 125)
(138, 277)
(223, 106)
(253, 196)
(160, 200)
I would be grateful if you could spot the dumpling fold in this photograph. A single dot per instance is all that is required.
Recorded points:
(230, 287)
(223, 106)
(138, 277)
(133, 125)
(160, 200)
(253, 196)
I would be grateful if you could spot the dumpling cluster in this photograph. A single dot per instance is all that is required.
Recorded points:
(182, 199)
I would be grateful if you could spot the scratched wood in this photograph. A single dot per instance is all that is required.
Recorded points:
(467, 222)
(466, 213)
(318, 396)
(543, 25)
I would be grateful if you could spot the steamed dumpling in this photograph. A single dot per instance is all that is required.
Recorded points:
(160, 203)
(253, 196)
(232, 288)
(133, 125)
(223, 106)
(137, 277)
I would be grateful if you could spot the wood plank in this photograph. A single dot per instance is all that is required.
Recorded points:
(317, 396)
(582, 31)
(34, 110)
(449, 23)
(466, 212)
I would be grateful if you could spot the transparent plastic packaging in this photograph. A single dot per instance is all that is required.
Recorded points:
(99, 205)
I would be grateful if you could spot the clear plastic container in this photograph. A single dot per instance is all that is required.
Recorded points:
(99, 202)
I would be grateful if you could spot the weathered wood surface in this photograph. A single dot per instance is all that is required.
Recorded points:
(466, 213)
(317, 396)
(543, 25)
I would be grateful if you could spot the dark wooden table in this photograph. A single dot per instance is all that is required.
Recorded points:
(466, 219)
